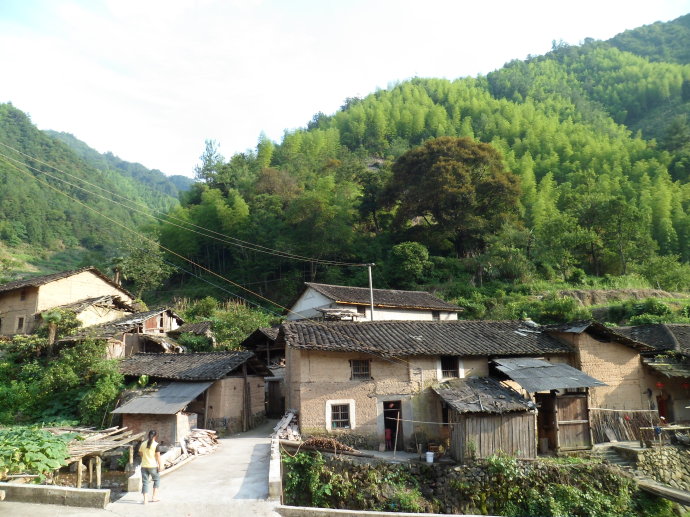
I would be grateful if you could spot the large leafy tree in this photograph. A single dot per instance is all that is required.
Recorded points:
(457, 187)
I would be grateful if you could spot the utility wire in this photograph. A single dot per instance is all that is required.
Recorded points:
(223, 238)
(222, 288)
(364, 347)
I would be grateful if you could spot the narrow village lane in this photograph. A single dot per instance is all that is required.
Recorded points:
(233, 481)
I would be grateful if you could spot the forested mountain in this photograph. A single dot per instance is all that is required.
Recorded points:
(33, 213)
(154, 178)
(595, 195)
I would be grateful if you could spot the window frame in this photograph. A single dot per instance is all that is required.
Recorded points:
(21, 323)
(329, 414)
(360, 375)
(459, 371)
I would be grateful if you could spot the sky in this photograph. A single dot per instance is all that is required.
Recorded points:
(152, 80)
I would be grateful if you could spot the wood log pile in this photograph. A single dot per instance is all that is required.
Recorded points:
(327, 444)
(201, 441)
(288, 427)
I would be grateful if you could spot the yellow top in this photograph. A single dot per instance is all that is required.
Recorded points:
(148, 455)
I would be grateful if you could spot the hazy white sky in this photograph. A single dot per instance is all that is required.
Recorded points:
(150, 80)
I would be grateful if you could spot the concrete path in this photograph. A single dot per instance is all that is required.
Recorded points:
(233, 481)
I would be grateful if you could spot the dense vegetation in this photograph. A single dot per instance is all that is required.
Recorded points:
(582, 199)
(555, 185)
(499, 485)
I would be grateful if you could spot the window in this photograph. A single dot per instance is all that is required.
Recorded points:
(449, 367)
(20, 324)
(22, 295)
(340, 416)
(436, 315)
(0, 325)
(361, 310)
(361, 369)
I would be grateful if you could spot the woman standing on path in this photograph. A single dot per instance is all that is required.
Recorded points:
(150, 466)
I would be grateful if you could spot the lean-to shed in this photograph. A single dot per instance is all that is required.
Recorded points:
(486, 418)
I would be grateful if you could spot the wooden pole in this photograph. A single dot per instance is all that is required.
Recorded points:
(245, 402)
(98, 471)
(90, 472)
(397, 432)
(80, 465)
(371, 292)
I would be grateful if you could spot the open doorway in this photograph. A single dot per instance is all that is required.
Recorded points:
(392, 424)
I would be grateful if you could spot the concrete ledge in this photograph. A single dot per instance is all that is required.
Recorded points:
(48, 494)
(300, 511)
(275, 478)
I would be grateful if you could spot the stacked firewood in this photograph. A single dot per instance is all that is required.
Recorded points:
(327, 444)
(288, 427)
(201, 441)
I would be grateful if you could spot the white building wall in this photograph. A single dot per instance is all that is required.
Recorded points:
(307, 304)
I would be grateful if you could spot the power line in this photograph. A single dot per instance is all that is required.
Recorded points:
(364, 347)
(234, 241)
(221, 288)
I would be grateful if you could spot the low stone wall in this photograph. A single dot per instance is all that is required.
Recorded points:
(668, 464)
(50, 494)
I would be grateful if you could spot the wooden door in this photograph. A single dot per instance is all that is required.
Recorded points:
(275, 400)
(573, 422)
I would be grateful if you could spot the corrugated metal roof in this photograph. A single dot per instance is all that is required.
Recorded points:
(538, 375)
(167, 400)
(672, 365)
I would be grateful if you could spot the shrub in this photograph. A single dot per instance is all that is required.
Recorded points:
(26, 450)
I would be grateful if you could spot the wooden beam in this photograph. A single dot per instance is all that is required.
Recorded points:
(91, 472)
(80, 464)
(98, 471)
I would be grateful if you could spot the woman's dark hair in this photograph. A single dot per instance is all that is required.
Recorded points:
(152, 435)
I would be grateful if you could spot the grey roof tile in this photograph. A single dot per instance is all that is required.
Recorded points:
(481, 395)
(383, 297)
(191, 367)
(459, 338)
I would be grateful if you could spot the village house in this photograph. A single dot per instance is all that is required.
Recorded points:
(324, 301)
(94, 297)
(219, 390)
(358, 380)
(134, 333)
(263, 342)
(199, 328)
(667, 367)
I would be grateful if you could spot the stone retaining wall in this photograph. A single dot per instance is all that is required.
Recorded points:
(668, 464)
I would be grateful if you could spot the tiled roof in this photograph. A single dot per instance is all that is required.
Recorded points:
(199, 328)
(261, 338)
(481, 395)
(191, 367)
(662, 336)
(383, 297)
(599, 330)
(46, 279)
(399, 338)
(124, 324)
(110, 300)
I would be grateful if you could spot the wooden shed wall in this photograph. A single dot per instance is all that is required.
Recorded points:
(484, 434)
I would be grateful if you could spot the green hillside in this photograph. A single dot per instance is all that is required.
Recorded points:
(597, 199)
(157, 182)
(37, 221)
